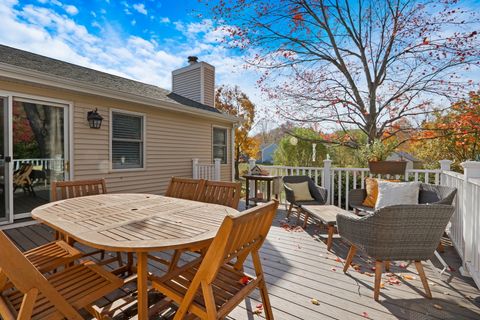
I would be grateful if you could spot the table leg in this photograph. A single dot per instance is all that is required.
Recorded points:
(247, 194)
(331, 230)
(142, 285)
(269, 186)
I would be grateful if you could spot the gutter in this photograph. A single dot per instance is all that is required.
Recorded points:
(27, 75)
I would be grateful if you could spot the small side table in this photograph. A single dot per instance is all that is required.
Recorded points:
(268, 179)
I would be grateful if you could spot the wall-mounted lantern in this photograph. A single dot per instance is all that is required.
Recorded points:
(94, 119)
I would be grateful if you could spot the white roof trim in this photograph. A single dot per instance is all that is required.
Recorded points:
(28, 75)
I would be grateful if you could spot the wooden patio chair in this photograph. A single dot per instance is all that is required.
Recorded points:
(219, 192)
(211, 287)
(59, 296)
(21, 178)
(184, 188)
(72, 189)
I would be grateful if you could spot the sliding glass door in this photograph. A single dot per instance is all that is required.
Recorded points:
(4, 162)
(40, 152)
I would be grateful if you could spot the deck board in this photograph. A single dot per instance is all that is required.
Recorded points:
(298, 268)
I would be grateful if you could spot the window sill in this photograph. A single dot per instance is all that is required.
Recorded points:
(127, 170)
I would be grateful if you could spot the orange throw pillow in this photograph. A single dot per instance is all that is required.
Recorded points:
(371, 185)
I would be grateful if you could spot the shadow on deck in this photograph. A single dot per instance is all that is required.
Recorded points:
(299, 268)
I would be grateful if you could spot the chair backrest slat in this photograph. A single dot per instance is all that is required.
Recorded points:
(224, 193)
(238, 235)
(184, 188)
(79, 188)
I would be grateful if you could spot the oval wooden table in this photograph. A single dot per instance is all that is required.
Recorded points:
(135, 223)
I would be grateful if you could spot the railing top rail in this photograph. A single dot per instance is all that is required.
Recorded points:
(424, 170)
(475, 181)
(453, 174)
(293, 167)
(351, 169)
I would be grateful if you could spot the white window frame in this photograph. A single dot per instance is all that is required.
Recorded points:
(226, 143)
(144, 131)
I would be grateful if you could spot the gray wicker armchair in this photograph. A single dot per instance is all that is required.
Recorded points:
(401, 232)
(317, 192)
(429, 193)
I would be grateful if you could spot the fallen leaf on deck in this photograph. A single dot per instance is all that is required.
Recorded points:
(338, 259)
(408, 277)
(393, 280)
(315, 302)
(334, 269)
(373, 268)
(452, 269)
(437, 306)
(402, 265)
(364, 314)
(298, 246)
(257, 312)
(382, 285)
(244, 280)
(259, 306)
(368, 274)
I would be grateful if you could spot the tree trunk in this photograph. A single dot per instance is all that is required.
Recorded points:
(39, 127)
(237, 163)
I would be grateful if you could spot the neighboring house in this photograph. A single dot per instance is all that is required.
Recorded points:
(147, 135)
(412, 162)
(267, 152)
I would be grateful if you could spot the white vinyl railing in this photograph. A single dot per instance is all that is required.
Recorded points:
(45, 163)
(464, 227)
(206, 171)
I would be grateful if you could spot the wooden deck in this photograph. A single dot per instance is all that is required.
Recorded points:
(299, 269)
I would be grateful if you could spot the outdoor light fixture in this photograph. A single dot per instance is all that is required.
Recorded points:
(94, 119)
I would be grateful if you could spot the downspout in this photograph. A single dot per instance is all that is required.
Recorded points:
(232, 148)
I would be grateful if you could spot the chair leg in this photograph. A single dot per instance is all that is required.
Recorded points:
(387, 266)
(423, 277)
(305, 220)
(119, 259)
(267, 307)
(378, 279)
(290, 207)
(351, 254)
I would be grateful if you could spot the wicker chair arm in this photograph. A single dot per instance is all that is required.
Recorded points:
(356, 197)
(352, 228)
(289, 195)
(320, 194)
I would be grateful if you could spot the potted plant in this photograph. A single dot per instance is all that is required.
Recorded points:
(376, 154)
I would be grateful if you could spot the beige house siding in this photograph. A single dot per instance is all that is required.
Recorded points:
(172, 139)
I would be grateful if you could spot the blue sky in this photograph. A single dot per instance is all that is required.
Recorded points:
(143, 40)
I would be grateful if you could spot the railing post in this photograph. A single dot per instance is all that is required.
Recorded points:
(251, 164)
(444, 166)
(217, 163)
(195, 168)
(471, 169)
(327, 170)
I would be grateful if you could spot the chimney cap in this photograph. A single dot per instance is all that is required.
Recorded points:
(192, 59)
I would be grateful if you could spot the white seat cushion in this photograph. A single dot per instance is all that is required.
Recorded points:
(300, 191)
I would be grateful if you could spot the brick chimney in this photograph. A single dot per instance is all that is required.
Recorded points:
(195, 81)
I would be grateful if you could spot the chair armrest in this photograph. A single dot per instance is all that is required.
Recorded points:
(289, 195)
(321, 194)
(356, 197)
(352, 228)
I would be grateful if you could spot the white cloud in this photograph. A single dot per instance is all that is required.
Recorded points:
(43, 31)
(133, 22)
(164, 20)
(72, 10)
(140, 8)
